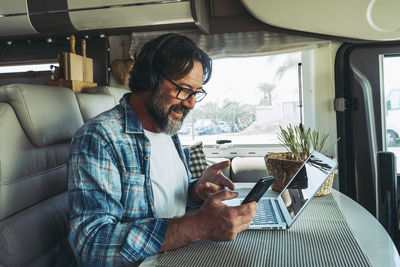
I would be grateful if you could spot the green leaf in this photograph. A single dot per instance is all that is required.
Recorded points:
(301, 141)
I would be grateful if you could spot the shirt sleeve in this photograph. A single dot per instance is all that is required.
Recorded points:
(103, 232)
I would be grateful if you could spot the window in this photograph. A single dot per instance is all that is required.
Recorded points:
(27, 67)
(37, 72)
(248, 98)
(391, 81)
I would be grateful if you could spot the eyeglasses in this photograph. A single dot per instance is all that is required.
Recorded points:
(186, 93)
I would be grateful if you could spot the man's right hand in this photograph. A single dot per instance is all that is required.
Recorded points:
(214, 221)
(219, 222)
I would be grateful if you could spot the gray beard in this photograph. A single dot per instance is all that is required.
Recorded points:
(155, 106)
(172, 128)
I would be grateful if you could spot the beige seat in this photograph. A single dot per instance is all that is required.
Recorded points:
(95, 100)
(36, 126)
(114, 92)
(92, 105)
(248, 169)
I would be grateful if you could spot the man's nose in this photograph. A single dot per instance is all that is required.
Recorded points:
(190, 102)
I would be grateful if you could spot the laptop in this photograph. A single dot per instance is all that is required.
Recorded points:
(281, 212)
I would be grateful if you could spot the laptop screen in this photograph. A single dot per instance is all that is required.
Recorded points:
(306, 182)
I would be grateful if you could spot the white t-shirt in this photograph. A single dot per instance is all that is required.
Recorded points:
(168, 176)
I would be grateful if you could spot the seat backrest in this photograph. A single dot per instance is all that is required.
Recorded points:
(114, 92)
(248, 169)
(36, 126)
(92, 105)
(95, 100)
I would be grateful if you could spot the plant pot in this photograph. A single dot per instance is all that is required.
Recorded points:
(282, 167)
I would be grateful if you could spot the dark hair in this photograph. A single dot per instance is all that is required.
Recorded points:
(170, 55)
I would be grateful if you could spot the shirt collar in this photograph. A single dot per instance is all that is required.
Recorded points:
(132, 122)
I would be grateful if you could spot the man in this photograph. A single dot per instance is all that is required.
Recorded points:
(129, 183)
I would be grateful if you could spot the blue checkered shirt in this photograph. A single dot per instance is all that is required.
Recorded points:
(110, 195)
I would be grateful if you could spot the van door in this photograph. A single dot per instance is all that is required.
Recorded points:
(367, 101)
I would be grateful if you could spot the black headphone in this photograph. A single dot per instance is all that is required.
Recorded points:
(152, 74)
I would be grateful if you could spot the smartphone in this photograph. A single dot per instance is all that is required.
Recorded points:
(258, 190)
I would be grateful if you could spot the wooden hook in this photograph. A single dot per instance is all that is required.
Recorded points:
(83, 43)
(72, 43)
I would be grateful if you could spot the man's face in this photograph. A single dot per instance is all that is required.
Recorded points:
(167, 111)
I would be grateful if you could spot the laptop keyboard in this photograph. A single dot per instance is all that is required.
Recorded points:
(265, 213)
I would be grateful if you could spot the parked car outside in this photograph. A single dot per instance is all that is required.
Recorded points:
(393, 117)
(205, 126)
(185, 129)
(223, 127)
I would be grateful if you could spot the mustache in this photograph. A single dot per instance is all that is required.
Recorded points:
(180, 108)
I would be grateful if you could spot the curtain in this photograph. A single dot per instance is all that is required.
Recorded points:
(238, 44)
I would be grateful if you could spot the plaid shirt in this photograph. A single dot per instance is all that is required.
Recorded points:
(110, 195)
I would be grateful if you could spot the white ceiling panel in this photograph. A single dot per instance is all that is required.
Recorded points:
(376, 20)
(16, 25)
(130, 16)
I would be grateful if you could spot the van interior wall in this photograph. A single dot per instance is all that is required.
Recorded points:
(319, 91)
(119, 49)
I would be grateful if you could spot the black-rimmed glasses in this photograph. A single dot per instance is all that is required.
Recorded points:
(186, 93)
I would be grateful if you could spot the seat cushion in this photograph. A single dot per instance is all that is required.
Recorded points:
(35, 234)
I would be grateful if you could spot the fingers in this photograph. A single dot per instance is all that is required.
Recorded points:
(246, 208)
(207, 189)
(244, 216)
(204, 190)
(227, 182)
(243, 226)
(221, 165)
(214, 175)
(211, 187)
(226, 221)
(245, 212)
(221, 181)
(224, 195)
(240, 217)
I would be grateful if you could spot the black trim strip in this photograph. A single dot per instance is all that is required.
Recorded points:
(13, 15)
(50, 17)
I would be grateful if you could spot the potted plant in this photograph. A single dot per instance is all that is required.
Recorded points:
(300, 143)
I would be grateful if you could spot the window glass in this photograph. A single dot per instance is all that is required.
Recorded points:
(27, 67)
(248, 98)
(391, 65)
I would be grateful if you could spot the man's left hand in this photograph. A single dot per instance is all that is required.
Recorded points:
(212, 180)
